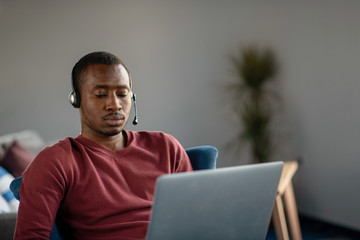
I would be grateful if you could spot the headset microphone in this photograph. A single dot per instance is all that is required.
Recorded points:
(136, 119)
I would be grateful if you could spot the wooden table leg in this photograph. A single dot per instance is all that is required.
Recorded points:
(279, 221)
(291, 213)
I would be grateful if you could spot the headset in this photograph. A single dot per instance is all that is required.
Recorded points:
(74, 99)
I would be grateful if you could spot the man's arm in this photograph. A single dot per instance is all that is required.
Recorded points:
(182, 161)
(41, 191)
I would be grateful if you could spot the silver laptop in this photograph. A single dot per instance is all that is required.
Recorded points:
(226, 203)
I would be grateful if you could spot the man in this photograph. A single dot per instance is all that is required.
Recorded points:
(99, 185)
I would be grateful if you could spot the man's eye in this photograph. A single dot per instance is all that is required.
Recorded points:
(100, 95)
(122, 95)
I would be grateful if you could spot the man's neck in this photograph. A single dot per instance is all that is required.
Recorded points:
(113, 143)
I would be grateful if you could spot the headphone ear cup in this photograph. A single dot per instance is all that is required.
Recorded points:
(73, 99)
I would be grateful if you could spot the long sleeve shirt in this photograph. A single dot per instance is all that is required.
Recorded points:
(93, 192)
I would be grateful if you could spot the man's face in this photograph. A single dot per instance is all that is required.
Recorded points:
(105, 100)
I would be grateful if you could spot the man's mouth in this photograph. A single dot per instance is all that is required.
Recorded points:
(114, 118)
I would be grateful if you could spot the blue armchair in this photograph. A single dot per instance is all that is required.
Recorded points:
(201, 157)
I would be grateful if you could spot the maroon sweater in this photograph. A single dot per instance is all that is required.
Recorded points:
(93, 192)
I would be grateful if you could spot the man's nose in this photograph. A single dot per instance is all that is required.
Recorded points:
(113, 103)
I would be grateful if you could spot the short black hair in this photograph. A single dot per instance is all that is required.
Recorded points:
(105, 58)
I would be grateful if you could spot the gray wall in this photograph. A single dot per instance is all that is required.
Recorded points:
(177, 53)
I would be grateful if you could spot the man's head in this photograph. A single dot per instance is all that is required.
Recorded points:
(77, 76)
(102, 85)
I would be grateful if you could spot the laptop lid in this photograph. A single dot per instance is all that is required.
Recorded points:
(226, 203)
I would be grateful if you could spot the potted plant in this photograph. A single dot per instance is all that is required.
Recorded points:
(253, 100)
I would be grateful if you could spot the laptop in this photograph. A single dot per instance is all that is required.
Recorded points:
(226, 203)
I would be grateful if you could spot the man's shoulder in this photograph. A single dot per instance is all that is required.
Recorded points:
(149, 133)
(151, 139)
(61, 147)
(155, 135)
(51, 157)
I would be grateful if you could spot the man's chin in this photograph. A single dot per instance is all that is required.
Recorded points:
(110, 132)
